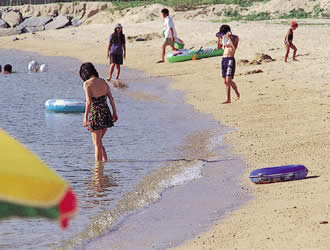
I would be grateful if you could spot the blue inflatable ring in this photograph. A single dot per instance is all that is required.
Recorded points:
(65, 105)
(278, 174)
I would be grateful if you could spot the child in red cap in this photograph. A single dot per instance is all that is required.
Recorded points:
(288, 42)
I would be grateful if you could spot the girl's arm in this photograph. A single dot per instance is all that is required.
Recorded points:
(236, 41)
(219, 42)
(286, 36)
(172, 34)
(124, 47)
(113, 106)
(88, 104)
(108, 50)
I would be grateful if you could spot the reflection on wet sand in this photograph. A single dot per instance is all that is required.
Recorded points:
(119, 84)
(101, 182)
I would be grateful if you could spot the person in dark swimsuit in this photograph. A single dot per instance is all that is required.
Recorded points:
(100, 116)
(97, 117)
(288, 42)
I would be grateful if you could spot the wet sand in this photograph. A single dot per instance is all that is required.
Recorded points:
(283, 117)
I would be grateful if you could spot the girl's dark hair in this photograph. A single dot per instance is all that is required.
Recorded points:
(0, 68)
(87, 71)
(165, 11)
(116, 38)
(224, 29)
(8, 68)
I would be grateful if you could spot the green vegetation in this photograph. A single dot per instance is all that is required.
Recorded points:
(319, 12)
(258, 16)
(296, 14)
(182, 4)
(235, 16)
(121, 5)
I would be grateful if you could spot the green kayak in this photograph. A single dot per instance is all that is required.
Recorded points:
(187, 54)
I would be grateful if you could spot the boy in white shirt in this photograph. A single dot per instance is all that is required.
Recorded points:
(169, 32)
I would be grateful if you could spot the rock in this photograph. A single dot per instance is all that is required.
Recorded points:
(255, 62)
(140, 39)
(75, 21)
(9, 32)
(3, 24)
(243, 62)
(58, 23)
(36, 21)
(12, 18)
(263, 57)
(15, 39)
(145, 37)
(256, 71)
(34, 24)
(34, 29)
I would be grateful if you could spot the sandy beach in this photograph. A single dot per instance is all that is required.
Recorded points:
(283, 116)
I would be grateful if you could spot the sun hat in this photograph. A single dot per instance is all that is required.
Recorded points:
(294, 23)
(118, 25)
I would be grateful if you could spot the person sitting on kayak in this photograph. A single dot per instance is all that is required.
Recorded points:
(229, 42)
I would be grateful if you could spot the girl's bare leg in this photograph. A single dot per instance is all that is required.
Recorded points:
(234, 86)
(163, 52)
(118, 71)
(287, 46)
(227, 83)
(112, 67)
(294, 52)
(104, 153)
(97, 140)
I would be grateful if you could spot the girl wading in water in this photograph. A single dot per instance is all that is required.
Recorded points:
(97, 117)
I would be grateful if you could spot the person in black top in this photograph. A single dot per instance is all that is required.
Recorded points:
(288, 42)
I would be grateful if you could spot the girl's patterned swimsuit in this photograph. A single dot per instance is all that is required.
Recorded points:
(100, 116)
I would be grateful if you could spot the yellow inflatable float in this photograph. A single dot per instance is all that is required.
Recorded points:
(28, 188)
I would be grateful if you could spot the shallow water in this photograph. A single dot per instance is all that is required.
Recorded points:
(159, 142)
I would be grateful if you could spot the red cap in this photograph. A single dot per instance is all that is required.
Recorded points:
(294, 23)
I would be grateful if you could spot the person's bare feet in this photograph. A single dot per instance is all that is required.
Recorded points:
(238, 96)
(108, 79)
(160, 61)
(226, 102)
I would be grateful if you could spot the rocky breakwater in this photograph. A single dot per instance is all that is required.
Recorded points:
(34, 18)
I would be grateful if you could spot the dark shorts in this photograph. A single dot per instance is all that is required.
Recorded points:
(116, 59)
(228, 67)
(289, 42)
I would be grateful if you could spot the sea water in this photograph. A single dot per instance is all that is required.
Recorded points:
(158, 143)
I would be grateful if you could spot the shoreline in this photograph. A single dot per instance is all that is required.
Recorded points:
(195, 143)
(282, 118)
